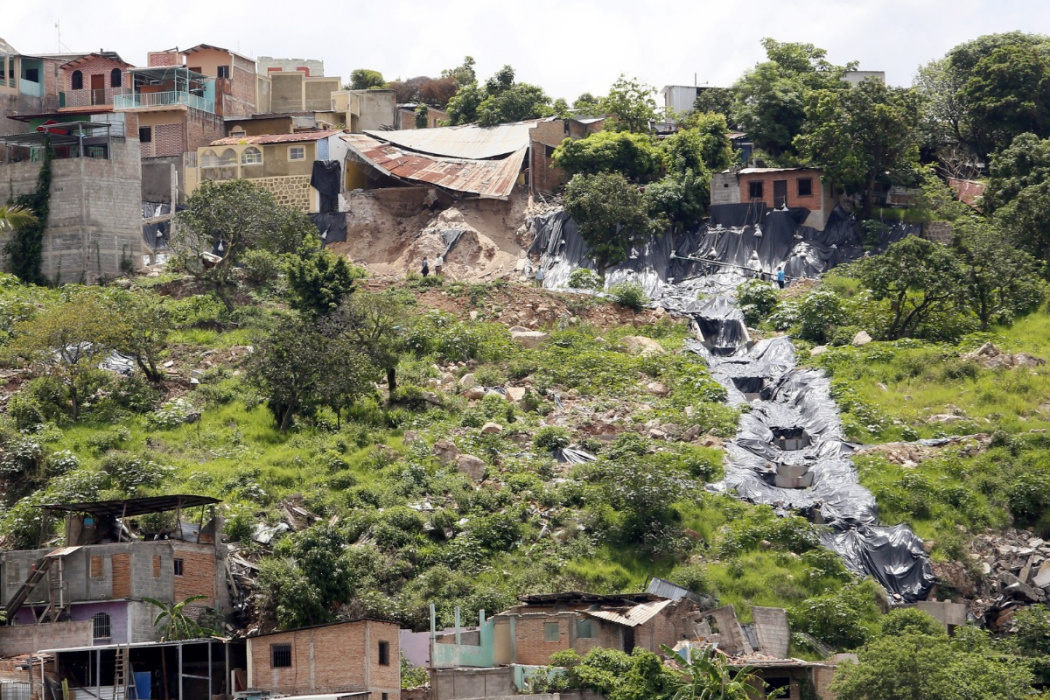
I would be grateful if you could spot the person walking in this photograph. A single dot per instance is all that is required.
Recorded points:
(780, 277)
(438, 264)
(426, 267)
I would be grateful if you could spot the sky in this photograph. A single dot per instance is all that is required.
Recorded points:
(566, 46)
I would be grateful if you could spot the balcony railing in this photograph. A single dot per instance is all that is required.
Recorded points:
(160, 99)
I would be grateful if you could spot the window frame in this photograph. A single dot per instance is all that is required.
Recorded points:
(384, 653)
(76, 80)
(583, 625)
(809, 186)
(253, 151)
(283, 649)
(219, 72)
(101, 622)
(178, 566)
(293, 149)
(548, 627)
(755, 189)
(116, 78)
(148, 130)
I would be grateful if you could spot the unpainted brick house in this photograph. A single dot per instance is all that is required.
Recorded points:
(91, 592)
(362, 655)
(777, 188)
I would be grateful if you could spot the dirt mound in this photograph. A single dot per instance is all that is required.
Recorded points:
(391, 236)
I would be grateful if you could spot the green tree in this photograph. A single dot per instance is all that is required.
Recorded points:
(707, 675)
(463, 107)
(375, 325)
(66, 342)
(1025, 162)
(463, 73)
(141, 322)
(680, 199)
(709, 131)
(1027, 219)
(862, 136)
(631, 106)
(770, 100)
(1001, 281)
(715, 100)
(318, 281)
(918, 278)
(610, 214)
(587, 105)
(25, 247)
(173, 621)
(944, 120)
(632, 155)
(518, 102)
(14, 217)
(221, 221)
(366, 79)
(912, 665)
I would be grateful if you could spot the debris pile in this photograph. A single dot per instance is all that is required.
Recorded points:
(1016, 572)
(991, 357)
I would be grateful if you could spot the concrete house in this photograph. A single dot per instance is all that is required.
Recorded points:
(281, 163)
(90, 592)
(28, 84)
(777, 188)
(293, 85)
(406, 115)
(362, 656)
(93, 229)
(366, 110)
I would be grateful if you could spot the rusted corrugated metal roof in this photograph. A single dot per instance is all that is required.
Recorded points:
(632, 617)
(275, 138)
(485, 178)
(462, 141)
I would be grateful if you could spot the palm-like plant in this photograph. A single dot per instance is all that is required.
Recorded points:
(175, 622)
(12, 217)
(707, 676)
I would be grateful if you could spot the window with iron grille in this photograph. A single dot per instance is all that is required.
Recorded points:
(224, 72)
(805, 187)
(100, 626)
(281, 655)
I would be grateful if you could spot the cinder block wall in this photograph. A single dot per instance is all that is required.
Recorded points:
(96, 212)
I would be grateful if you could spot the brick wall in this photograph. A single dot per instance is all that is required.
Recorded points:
(121, 575)
(198, 574)
(163, 58)
(24, 639)
(94, 65)
(330, 659)
(530, 645)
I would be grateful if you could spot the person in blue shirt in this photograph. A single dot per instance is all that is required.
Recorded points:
(780, 277)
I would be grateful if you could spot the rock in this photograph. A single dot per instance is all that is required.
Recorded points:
(433, 382)
(640, 345)
(471, 466)
(467, 381)
(518, 329)
(691, 433)
(818, 350)
(659, 312)
(448, 378)
(1042, 577)
(445, 451)
(473, 314)
(657, 434)
(474, 393)
(882, 386)
(530, 339)
(862, 338)
(492, 428)
(657, 389)
(515, 393)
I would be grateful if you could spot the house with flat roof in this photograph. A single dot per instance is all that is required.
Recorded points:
(777, 188)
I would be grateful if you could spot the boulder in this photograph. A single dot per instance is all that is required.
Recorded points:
(491, 428)
(640, 345)
(474, 393)
(471, 466)
(657, 389)
(818, 350)
(467, 381)
(862, 338)
(515, 393)
(445, 451)
(529, 339)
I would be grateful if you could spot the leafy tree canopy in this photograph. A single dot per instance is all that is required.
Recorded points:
(498, 101)
(631, 105)
(632, 155)
(366, 79)
(610, 213)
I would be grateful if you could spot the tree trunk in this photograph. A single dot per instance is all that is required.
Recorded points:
(74, 399)
(391, 380)
(224, 297)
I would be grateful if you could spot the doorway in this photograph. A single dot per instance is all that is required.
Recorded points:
(780, 193)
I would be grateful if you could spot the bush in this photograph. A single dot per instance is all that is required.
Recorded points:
(818, 314)
(261, 267)
(130, 473)
(583, 278)
(172, 414)
(631, 295)
(106, 440)
(757, 300)
(551, 438)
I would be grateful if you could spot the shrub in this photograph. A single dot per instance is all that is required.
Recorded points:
(757, 300)
(631, 295)
(583, 278)
(551, 438)
(106, 440)
(818, 314)
(129, 472)
(261, 267)
(172, 414)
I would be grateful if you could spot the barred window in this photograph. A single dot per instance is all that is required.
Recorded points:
(281, 655)
(251, 156)
(100, 626)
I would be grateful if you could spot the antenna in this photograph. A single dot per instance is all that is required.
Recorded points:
(58, 33)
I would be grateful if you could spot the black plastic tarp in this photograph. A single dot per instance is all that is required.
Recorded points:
(893, 555)
(326, 178)
(331, 226)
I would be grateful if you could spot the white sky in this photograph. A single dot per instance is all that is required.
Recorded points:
(566, 46)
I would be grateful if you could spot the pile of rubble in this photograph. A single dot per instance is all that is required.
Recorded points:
(989, 357)
(1016, 568)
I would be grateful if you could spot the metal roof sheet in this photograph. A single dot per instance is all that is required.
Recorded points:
(634, 616)
(133, 506)
(462, 141)
(492, 179)
(276, 138)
